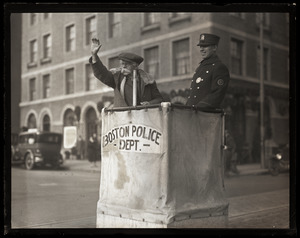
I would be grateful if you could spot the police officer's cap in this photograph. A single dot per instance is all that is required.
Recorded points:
(208, 39)
(130, 57)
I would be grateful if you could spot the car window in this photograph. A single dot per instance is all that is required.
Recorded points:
(27, 139)
(49, 138)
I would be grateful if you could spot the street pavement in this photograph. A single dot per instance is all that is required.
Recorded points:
(261, 210)
(85, 165)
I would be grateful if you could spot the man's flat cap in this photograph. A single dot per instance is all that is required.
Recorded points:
(208, 39)
(130, 57)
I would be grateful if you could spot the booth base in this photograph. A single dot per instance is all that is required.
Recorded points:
(107, 221)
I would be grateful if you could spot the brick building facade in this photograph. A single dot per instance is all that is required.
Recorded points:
(57, 82)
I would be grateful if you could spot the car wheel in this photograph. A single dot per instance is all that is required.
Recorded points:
(29, 162)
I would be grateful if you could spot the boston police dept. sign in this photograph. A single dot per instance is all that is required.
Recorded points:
(134, 138)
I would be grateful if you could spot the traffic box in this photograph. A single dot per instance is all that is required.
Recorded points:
(162, 167)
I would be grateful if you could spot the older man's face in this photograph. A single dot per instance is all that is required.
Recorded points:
(127, 67)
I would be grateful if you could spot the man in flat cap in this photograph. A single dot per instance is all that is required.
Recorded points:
(211, 78)
(121, 79)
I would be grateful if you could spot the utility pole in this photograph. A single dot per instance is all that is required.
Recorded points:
(261, 92)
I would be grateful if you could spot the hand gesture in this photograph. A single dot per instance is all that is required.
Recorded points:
(145, 103)
(95, 47)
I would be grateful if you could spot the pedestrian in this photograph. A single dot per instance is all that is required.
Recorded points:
(80, 148)
(211, 78)
(230, 155)
(121, 79)
(93, 149)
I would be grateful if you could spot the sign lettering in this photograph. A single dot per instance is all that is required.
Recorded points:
(134, 138)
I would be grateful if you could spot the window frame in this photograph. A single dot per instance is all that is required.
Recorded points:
(157, 46)
(242, 54)
(88, 79)
(173, 68)
(47, 57)
(111, 23)
(87, 24)
(67, 81)
(46, 93)
(31, 22)
(32, 89)
(266, 66)
(68, 39)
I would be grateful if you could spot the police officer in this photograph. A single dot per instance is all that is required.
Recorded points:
(121, 79)
(211, 78)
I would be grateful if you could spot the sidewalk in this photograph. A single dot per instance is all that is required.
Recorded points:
(85, 165)
(82, 165)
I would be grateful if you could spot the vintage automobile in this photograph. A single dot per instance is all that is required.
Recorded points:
(37, 148)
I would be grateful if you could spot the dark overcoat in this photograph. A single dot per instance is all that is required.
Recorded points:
(209, 84)
(148, 89)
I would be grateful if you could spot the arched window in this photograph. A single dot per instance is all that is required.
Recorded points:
(69, 118)
(46, 123)
(31, 123)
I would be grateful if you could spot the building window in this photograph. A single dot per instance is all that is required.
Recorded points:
(69, 118)
(70, 38)
(31, 123)
(46, 123)
(265, 17)
(33, 19)
(181, 59)
(236, 47)
(46, 86)
(32, 89)
(176, 17)
(47, 43)
(113, 62)
(151, 18)
(69, 81)
(90, 29)
(265, 64)
(152, 61)
(46, 15)
(91, 81)
(114, 20)
(33, 51)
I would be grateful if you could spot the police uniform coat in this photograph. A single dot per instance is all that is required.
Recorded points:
(147, 86)
(209, 84)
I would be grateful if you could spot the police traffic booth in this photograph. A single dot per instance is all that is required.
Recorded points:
(162, 167)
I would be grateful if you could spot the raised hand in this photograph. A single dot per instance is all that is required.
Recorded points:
(95, 47)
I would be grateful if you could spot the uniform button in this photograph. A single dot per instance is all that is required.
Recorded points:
(198, 87)
(192, 80)
(213, 64)
(195, 96)
(189, 97)
(191, 88)
(207, 71)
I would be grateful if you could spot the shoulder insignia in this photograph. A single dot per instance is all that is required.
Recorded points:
(220, 82)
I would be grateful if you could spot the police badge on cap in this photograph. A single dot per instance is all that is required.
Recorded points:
(208, 39)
